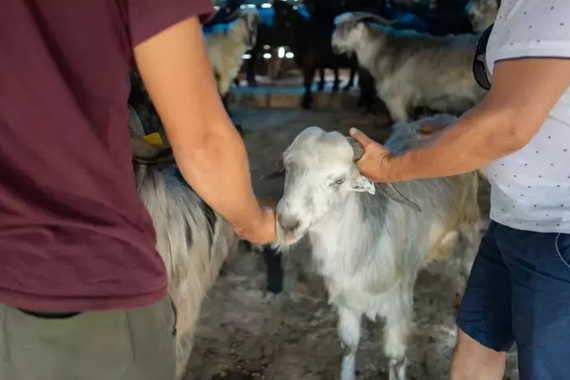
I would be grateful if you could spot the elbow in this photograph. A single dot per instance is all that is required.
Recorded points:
(207, 143)
(514, 139)
(508, 131)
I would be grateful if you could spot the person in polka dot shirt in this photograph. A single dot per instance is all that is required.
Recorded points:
(519, 288)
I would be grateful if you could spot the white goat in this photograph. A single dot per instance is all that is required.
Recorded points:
(482, 13)
(370, 240)
(226, 44)
(412, 69)
(192, 239)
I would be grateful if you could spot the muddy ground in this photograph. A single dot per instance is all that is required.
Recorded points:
(243, 330)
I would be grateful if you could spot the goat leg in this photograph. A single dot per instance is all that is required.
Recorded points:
(397, 329)
(250, 68)
(336, 84)
(350, 83)
(367, 89)
(397, 107)
(308, 76)
(349, 333)
(274, 270)
(321, 86)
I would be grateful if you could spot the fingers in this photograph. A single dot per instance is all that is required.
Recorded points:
(360, 137)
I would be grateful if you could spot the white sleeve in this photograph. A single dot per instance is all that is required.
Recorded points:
(532, 28)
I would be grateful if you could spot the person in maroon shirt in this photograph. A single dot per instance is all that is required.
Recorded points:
(82, 287)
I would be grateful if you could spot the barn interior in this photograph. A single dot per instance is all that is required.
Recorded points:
(254, 325)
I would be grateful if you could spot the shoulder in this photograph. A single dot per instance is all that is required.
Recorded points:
(530, 28)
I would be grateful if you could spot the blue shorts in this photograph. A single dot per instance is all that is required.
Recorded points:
(519, 292)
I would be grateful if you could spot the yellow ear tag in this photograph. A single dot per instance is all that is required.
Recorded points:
(154, 139)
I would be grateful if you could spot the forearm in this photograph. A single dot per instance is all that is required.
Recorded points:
(209, 151)
(479, 137)
(523, 94)
(215, 165)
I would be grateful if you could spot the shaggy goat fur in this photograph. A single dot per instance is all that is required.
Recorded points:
(226, 44)
(482, 13)
(193, 241)
(368, 247)
(412, 69)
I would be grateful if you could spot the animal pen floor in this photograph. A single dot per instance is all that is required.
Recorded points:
(245, 333)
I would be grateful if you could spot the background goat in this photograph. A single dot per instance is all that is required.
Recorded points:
(269, 36)
(226, 13)
(226, 44)
(192, 239)
(311, 43)
(370, 240)
(412, 69)
(482, 13)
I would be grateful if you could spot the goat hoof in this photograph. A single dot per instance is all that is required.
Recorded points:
(335, 89)
(346, 88)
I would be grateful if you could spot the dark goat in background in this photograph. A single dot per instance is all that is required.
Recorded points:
(311, 44)
(274, 38)
(448, 17)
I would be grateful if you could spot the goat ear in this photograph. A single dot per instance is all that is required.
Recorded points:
(362, 184)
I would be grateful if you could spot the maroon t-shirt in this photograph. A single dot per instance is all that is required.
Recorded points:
(74, 235)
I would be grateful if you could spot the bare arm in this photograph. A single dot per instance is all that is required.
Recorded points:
(524, 92)
(209, 151)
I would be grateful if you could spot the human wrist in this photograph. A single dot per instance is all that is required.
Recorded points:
(249, 221)
(394, 167)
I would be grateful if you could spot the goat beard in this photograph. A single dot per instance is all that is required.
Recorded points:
(282, 245)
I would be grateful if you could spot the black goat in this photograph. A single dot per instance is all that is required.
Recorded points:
(446, 17)
(310, 41)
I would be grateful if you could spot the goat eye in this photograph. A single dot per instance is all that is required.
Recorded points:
(339, 181)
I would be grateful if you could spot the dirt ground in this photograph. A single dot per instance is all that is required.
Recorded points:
(244, 333)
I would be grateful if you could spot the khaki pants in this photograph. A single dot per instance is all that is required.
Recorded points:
(136, 344)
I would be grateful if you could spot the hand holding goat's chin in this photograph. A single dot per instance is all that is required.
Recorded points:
(261, 228)
(374, 164)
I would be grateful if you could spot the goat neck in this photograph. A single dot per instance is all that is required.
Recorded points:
(369, 48)
(351, 237)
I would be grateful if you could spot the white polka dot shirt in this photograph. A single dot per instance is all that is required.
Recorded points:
(531, 188)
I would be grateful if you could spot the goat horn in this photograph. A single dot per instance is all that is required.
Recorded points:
(280, 172)
(397, 196)
(387, 188)
(357, 148)
(363, 16)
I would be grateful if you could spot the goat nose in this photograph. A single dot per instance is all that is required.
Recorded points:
(288, 223)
